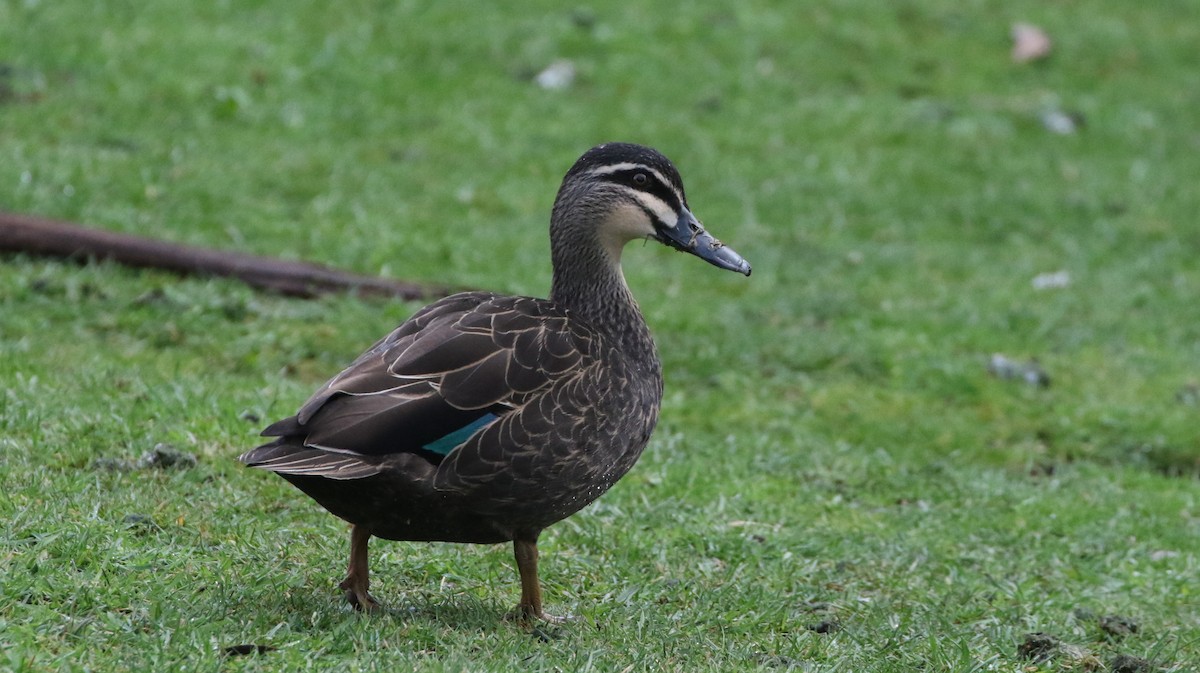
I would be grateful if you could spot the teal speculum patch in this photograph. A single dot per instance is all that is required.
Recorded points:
(446, 443)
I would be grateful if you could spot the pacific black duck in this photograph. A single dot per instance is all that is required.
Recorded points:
(485, 418)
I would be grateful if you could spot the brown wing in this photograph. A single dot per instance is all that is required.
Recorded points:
(452, 364)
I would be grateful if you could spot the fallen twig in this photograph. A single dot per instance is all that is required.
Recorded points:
(41, 236)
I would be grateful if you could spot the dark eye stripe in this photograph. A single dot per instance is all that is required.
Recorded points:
(652, 185)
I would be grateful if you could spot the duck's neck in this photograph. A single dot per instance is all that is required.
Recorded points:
(588, 281)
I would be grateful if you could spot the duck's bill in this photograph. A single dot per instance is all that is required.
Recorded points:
(689, 235)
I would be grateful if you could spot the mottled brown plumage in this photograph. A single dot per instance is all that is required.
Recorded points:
(485, 418)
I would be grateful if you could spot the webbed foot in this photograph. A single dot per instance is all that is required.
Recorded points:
(358, 596)
(528, 615)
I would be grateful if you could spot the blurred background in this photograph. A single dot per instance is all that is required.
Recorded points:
(972, 322)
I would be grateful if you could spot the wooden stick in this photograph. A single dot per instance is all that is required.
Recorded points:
(40, 236)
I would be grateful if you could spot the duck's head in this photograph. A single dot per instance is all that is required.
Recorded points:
(627, 192)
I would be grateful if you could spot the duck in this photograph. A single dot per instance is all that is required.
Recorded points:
(485, 418)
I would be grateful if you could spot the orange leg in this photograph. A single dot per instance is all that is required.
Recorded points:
(358, 579)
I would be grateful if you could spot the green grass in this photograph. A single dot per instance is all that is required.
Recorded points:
(832, 447)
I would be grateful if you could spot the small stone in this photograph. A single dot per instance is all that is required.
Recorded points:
(140, 522)
(1038, 646)
(1042, 647)
(825, 626)
(1118, 626)
(165, 456)
(1125, 663)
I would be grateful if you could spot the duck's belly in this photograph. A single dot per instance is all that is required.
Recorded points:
(392, 511)
(396, 508)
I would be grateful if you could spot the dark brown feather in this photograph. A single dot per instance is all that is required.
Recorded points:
(432, 375)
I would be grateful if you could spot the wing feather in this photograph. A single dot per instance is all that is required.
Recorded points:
(431, 377)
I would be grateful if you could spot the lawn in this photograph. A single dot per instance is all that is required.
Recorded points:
(838, 483)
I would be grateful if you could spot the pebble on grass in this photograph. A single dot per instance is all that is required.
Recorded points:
(162, 457)
(1040, 647)
(140, 522)
(1126, 663)
(1117, 626)
(826, 626)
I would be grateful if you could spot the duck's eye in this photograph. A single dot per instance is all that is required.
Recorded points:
(639, 179)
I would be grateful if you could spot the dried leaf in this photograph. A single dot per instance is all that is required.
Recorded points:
(556, 76)
(1030, 43)
(1051, 280)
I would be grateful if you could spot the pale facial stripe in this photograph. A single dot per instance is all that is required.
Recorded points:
(627, 166)
(655, 207)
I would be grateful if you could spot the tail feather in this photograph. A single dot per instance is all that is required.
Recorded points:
(288, 426)
(289, 457)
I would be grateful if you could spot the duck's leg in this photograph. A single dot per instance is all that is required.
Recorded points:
(358, 578)
(530, 607)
